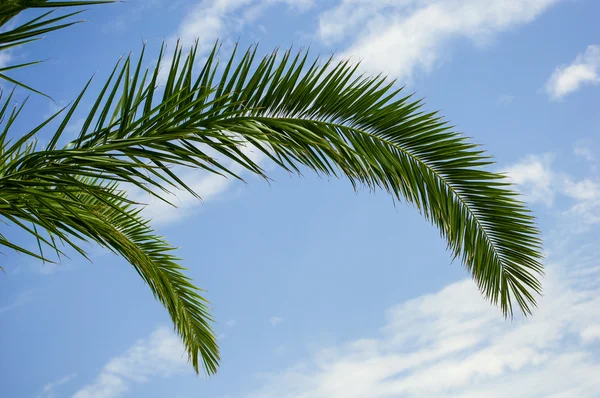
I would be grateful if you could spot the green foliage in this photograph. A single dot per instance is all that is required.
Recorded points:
(321, 115)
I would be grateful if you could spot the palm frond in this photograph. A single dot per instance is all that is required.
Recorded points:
(323, 116)
(91, 210)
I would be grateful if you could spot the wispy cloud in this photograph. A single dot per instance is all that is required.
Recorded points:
(399, 37)
(5, 59)
(49, 390)
(20, 300)
(208, 185)
(535, 178)
(583, 150)
(584, 70)
(582, 190)
(275, 320)
(209, 20)
(452, 344)
(159, 355)
(539, 182)
(586, 212)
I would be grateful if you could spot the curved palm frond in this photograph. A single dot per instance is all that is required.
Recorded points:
(326, 117)
(88, 209)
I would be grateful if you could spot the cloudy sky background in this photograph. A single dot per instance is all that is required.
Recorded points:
(318, 291)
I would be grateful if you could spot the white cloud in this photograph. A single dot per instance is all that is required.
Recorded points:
(275, 320)
(5, 59)
(539, 183)
(584, 70)
(211, 20)
(583, 190)
(586, 212)
(591, 333)
(398, 36)
(208, 20)
(208, 185)
(534, 177)
(159, 355)
(452, 344)
(583, 150)
(49, 390)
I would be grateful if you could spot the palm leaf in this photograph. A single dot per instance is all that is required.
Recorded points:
(322, 116)
(87, 209)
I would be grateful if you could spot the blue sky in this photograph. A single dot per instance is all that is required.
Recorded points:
(319, 291)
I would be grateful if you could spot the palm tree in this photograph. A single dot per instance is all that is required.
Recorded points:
(321, 115)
